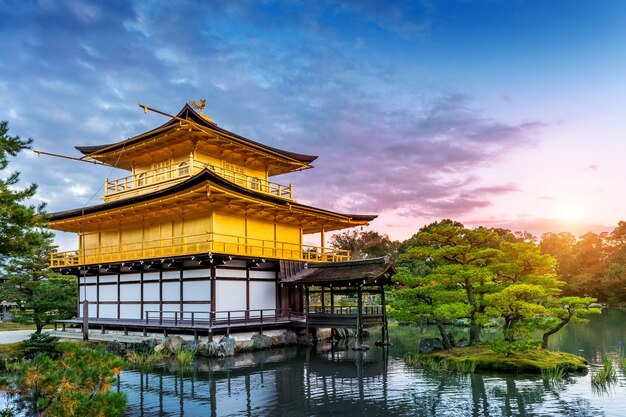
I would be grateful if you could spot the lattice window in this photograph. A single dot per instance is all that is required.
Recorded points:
(183, 169)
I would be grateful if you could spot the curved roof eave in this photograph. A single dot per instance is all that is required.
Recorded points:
(190, 113)
(204, 175)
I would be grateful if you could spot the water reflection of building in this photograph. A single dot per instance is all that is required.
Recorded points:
(286, 382)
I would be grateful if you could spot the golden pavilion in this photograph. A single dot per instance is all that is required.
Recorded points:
(200, 229)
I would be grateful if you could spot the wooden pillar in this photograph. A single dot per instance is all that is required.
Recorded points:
(306, 310)
(119, 294)
(85, 320)
(141, 295)
(359, 319)
(333, 331)
(323, 297)
(97, 295)
(385, 336)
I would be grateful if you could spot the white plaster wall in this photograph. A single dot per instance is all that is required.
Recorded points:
(193, 273)
(151, 276)
(107, 311)
(263, 274)
(171, 274)
(108, 293)
(230, 273)
(90, 293)
(108, 278)
(262, 296)
(130, 311)
(171, 291)
(130, 292)
(197, 290)
(130, 277)
(230, 295)
(150, 291)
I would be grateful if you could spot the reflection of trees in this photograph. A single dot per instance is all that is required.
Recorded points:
(335, 381)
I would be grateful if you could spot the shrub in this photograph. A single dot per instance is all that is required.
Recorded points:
(76, 384)
(41, 343)
(507, 348)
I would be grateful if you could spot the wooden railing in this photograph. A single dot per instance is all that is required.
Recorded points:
(345, 310)
(198, 243)
(217, 318)
(156, 179)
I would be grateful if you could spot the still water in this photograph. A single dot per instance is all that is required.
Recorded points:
(342, 382)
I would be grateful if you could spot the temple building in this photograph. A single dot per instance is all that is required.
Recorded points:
(199, 231)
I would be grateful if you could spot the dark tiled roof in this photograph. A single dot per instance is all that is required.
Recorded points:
(366, 270)
(188, 113)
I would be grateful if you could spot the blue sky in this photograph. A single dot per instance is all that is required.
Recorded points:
(504, 113)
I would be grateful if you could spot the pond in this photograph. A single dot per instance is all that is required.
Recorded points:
(342, 382)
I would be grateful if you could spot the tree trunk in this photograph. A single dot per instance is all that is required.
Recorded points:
(444, 336)
(546, 335)
(39, 327)
(474, 333)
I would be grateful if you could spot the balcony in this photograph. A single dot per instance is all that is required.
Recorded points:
(196, 244)
(157, 179)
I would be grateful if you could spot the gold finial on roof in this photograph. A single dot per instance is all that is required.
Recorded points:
(200, 106)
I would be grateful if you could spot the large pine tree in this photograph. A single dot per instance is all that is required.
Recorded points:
(43, 296)
(19, 221)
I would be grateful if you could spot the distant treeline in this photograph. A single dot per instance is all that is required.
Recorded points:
(593, 264)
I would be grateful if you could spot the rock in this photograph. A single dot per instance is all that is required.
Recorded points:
(290, 338)
(116, 348)
(159, 348)
(227, 346)
(366, 333)
(201, 349)
(212, 349)
(344, 333)
(429, 344)
(173, 344)
(261, 341)
(462, 322)
(145, 347)
(191, 345)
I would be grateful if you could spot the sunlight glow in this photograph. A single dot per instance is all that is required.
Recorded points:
(571, 212)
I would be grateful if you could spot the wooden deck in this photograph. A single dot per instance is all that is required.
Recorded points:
(202, 324)
(196, 323)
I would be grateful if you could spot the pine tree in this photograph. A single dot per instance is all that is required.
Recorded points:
(19, 222)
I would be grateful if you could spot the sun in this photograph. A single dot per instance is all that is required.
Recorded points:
(571, 212)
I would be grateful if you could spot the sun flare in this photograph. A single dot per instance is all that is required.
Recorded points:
(571, 212)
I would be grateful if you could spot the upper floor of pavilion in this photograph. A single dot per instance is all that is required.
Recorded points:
(185, 145)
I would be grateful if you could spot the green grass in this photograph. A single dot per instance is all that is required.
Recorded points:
(535, 361)
(555, 373)
(461, 366)
(145, 361)
(606, 375)
(9, 326)
(12, 350)
(185, 357)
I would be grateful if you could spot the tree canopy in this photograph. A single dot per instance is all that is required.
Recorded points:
(19, 221)
(448, 271)
(41, 294)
